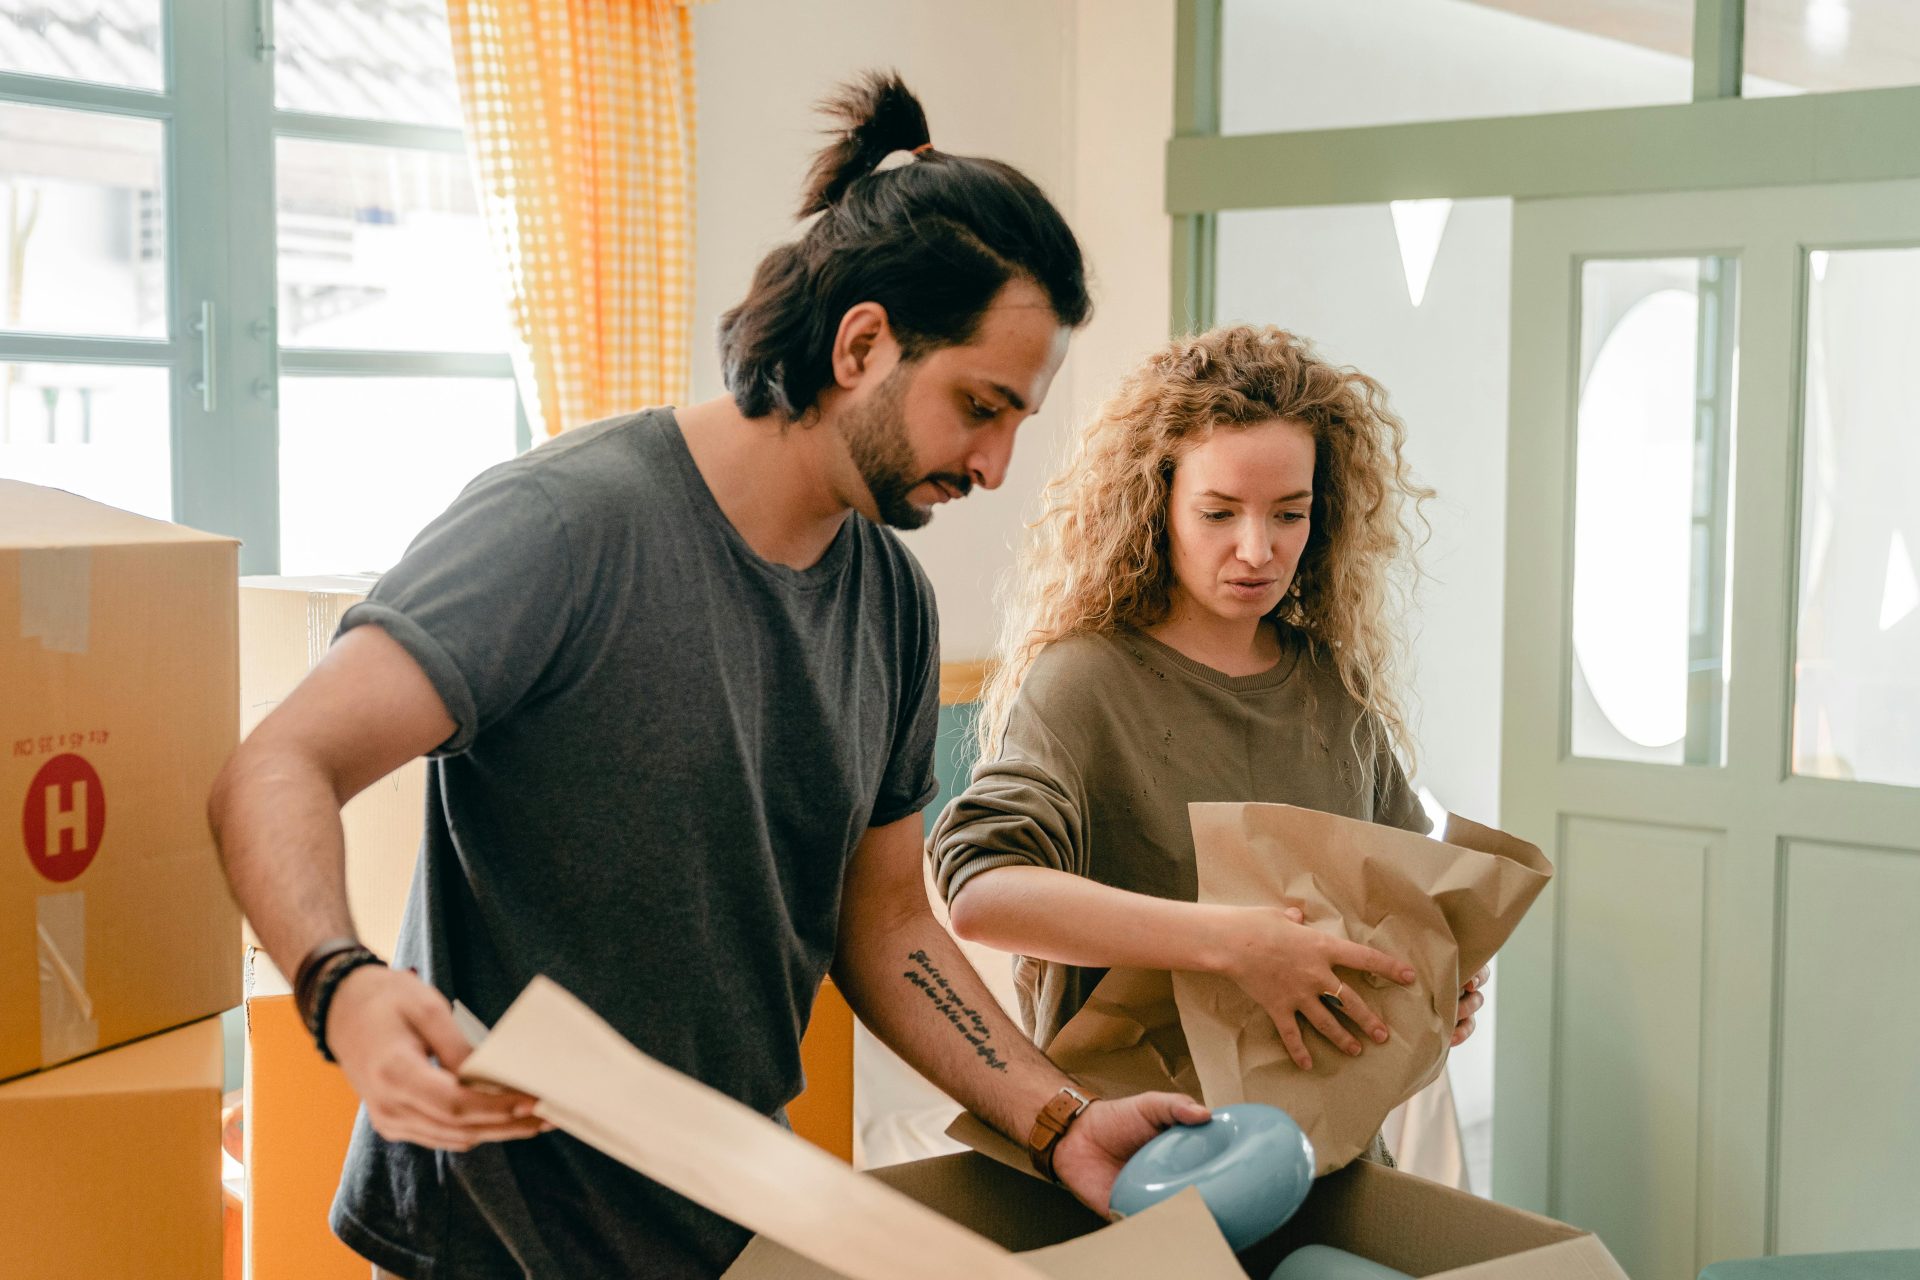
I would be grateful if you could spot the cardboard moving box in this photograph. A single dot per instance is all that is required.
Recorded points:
(117, 658)
(300, 1111)
(111, 1167)
(823, 1113)
(1392, 1218)
(286, 625)
(961, 1217)
(1396, 1219)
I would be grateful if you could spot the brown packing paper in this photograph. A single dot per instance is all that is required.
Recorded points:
(1445, 908)
(739, 1164)
(1127, 1038)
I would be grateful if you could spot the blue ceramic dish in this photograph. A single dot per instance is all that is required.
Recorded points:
(1318, 1262)
(1250, 1163)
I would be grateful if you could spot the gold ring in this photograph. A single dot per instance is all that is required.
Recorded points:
(1332, 998)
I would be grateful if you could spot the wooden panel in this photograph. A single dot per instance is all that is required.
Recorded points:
(1627, 1105)
(1848, 1165)
(960, 682)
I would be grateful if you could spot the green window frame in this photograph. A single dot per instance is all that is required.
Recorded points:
(1718, 141)
(216, 103)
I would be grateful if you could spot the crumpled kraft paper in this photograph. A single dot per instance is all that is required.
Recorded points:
(1445, 908)
(1127, 1038)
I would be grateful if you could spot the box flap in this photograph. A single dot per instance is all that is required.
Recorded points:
(263, 976)
(1411, 1224)
(971, 1131)
(331, 584)
(33, 516)
(718, 1152)
(1013, 1208)
(1176, 1237)
(1584, 1258)
(192, 1057)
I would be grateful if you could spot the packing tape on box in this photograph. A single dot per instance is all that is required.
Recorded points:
(56, 597)
(67, 1025)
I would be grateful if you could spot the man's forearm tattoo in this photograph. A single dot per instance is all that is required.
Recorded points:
(966, 1019)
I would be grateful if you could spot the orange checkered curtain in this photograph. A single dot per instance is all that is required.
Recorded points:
(580, 117)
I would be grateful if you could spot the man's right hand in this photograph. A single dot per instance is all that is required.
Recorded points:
(386, 1027)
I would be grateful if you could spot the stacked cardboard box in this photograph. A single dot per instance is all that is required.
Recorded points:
(300, 1112)
(118, 661)
(286, 625)
(111, 1164)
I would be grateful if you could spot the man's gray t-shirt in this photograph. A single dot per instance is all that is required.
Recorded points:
(667, 749)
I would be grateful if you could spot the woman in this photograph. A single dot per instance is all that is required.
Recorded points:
(1204, 614)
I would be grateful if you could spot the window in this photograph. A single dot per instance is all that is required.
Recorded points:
(1856, 704)
(1289, 65)
(1819, 46)
(251, 294)
(1652, 509)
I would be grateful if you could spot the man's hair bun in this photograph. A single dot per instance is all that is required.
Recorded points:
(874, 117)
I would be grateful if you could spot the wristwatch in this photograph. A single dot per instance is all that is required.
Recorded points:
(1051, 1125)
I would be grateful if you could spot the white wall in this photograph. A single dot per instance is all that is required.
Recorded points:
(997, 78)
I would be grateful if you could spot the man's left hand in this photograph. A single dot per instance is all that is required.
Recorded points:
(1107, 1133)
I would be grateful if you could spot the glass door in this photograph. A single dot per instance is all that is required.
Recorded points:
(1712, 706)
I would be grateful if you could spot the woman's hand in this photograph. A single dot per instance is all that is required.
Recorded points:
(1470, 1003)
(1286, 967)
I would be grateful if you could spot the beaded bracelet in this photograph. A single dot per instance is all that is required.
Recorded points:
(308, 972)
(337, 968)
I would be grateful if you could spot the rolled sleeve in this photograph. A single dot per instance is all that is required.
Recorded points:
(482, 600)
(442, 671)
(1023, 809)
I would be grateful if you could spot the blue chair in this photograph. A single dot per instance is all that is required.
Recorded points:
(1897, 1264)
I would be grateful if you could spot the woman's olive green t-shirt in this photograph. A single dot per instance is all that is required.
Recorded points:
(1111, 736)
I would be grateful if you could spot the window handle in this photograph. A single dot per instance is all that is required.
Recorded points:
(263, 29)
(203, 381)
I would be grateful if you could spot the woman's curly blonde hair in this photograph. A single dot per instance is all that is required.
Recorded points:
(1098, 558)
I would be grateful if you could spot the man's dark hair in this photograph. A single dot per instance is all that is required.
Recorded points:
(932, 241)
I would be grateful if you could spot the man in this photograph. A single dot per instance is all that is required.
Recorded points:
(680, 691)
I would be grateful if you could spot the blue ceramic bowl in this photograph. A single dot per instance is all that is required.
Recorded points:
(1250, 1163)
(1318, 1262)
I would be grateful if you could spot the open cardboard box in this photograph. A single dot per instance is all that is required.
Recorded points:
(1393, 1218)
(965, 1217)
(1396, 1219)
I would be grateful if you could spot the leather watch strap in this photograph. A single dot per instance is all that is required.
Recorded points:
(1051, 1125)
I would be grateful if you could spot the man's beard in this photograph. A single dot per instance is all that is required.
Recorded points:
(876, 436)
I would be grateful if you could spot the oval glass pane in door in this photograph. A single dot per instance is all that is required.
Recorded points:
(1651, 510)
